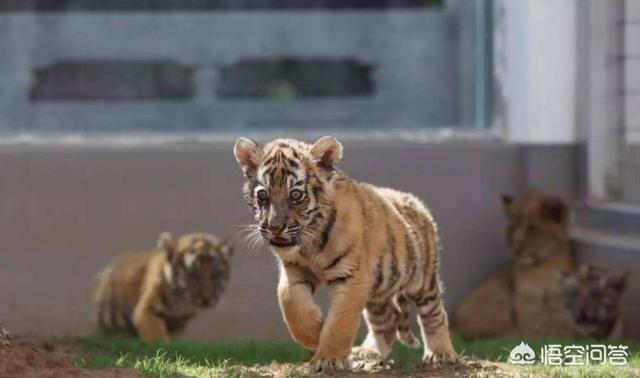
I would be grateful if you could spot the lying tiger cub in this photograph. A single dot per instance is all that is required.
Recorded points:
(376, 248)
(153, 294)
(524, 298)
(593, 295)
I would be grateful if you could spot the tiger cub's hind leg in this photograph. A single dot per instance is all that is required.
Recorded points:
(381, 323)
(434, 325)
(402, 322)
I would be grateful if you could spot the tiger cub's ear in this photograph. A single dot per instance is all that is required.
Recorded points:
(327, 151)
(248, 154)
(227, 251)
(166, 243)
(507, 203)
(618, 281)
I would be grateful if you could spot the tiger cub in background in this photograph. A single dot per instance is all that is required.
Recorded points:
(524, 298)
(376, 248)
(153, 294)
(593, 295)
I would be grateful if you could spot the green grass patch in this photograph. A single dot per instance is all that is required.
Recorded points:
(227, 358)
(246, 358)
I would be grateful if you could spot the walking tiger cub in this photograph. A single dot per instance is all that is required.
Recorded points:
(376, 249)
(153, 294)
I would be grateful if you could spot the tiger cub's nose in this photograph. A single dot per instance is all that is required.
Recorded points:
(276, 229)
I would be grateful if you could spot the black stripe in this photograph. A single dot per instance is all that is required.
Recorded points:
(337, 259)
(382, 318)
(340, 280)
(377, 309)
(314, 219)
(311, 211)
(425, 300)
(427, 254)
(403, 328)
(293, 163)
(431, 312)
(430, 329)
(290, 264)
(363, 211)
(324, 237)
(432, 283)
(410, 269)
(379, 274)
(395, 270)
(317, 190)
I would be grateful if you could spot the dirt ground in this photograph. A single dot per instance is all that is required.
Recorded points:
(31, 358)
(52, 358)
(468, 368)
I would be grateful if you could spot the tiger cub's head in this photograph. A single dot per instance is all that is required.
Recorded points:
(593, 296)
(289, 186)
(196, 267)
(536, 227)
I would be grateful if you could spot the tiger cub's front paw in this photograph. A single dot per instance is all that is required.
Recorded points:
(436, 359)
(364, 353)
(328, 365)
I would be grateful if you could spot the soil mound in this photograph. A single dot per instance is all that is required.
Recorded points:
(30, 359)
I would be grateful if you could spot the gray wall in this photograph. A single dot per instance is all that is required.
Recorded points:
(64, 212)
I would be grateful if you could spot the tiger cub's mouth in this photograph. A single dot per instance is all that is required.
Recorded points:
(283, 242)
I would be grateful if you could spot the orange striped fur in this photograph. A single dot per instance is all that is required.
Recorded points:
(153, 294)
(376, 248)
(524, 299)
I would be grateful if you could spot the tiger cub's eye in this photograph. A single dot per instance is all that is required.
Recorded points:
(296, 195)
(262, 195)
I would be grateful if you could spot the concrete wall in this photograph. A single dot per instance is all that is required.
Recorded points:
(65, 212)
(535, 70)
(415, 54)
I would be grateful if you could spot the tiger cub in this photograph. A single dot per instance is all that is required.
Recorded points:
(153, 294)
(524, 298)
(376, 248)
(593, 295)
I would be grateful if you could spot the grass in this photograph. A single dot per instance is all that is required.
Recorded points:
(268, 358)
(191, 358)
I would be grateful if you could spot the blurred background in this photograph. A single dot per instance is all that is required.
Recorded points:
(117, 121)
